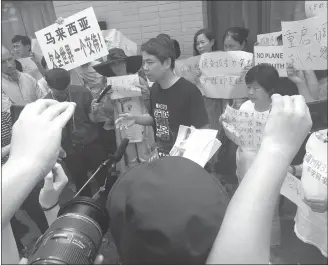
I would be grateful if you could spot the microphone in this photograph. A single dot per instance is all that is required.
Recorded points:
(121, 150)
(103, 93)
(113, 160)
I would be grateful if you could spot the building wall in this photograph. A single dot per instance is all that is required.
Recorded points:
(141, 20)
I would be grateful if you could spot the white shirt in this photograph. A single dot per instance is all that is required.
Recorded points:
(30, 67)
(21, 92)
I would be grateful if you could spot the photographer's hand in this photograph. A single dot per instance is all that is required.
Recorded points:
(35, 144)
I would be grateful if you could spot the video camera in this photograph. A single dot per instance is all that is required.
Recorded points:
(76, 235)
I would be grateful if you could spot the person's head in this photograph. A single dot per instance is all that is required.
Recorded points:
(8, 65)
(58, 79)
(204, 41)
(44, 63)
(158, 56)
(156, 217)
(261, 80)
(279, 40)
(119, 67)
(286, 87)
(21, 45)
(175, 43)
(235, 39)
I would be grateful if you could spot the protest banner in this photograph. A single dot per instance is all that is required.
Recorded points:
(127, 97)
(305, 43)
(77, 41)
(188, 69)
(115, 39)
(244, 128)
(223, 73)
(124, 86)
(198, 145)
(273, 55)
(269, 39)
(314, 8)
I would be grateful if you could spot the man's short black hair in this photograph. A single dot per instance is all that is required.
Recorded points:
(162, 48)
(58, 78)
(265, 75)
(23, 39)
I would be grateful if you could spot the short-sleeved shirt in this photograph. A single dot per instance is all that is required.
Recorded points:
(80, 130)
(21, 92)
(6, 126)
(180, 104)
(30, 67)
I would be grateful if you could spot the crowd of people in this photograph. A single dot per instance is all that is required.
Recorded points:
(169, 210)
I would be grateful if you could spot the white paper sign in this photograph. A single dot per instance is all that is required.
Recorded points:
(198, 145)
(75, 42)
(244, 128)
(314, 8)
(115, 39)
(292, 189)
(124, 86)
(305, 43)
(188, 69)
(269, 39)
(223, 73)
(273, 55)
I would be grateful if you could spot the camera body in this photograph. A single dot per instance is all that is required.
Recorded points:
(75, 236)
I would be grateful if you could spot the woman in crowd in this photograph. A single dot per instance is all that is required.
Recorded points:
(261, 81)
(311, 223)
(118, 64)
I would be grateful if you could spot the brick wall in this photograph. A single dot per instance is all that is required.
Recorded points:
(141, 20)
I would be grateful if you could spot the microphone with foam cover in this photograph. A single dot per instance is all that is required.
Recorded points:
(121, 150)
(103, 93)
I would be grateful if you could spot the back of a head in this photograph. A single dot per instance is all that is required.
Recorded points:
(58, 78)
(239, 34)
(168, 211)
(265, 75)
(161, 47)
(286, 87)
(175, 43)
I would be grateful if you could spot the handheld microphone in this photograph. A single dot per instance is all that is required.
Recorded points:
(103, 93)
(113, 160)
(121, 150)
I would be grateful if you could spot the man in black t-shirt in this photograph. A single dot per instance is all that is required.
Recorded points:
(174, 100)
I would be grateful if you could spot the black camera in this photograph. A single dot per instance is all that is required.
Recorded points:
(75, 236)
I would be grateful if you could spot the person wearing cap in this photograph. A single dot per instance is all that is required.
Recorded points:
(119, 64)
(80, 139)
(174, 100)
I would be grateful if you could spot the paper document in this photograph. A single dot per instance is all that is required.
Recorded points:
(198, 145)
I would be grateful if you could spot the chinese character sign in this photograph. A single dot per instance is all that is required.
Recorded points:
(273, 55)
(124, 86)
(115, 39)
(269, 39)
(314, 8)
(188, 68)
(223, 73)
(305, 43)
(75, 42)
(244, 128)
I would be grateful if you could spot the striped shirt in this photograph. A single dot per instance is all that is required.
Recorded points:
(6, 126)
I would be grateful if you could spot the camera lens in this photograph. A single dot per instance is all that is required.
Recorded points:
(75, 236)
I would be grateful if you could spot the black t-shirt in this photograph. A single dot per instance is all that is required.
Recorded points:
(180, 104)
